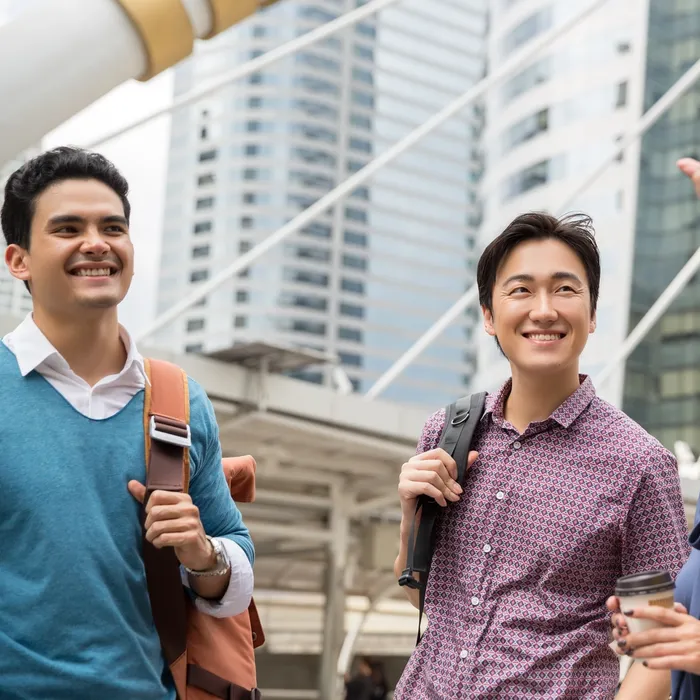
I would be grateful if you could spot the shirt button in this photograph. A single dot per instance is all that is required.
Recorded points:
(487, 548)
(475, 601)
(500, 495)
(463, 654)
(517, 445)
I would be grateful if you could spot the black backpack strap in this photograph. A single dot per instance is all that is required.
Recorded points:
(461, 421)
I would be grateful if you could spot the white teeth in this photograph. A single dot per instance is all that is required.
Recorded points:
(103, 272)
(542, 336)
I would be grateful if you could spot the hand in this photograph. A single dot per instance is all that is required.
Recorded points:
(675, 646)
(691, 168)
(620, 630)
(172, 520)
(433, 474)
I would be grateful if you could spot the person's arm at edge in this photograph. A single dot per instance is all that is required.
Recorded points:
(642, 683)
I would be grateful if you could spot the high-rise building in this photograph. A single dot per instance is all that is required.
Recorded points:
(367, 278)
(549, 126)
(662, 385)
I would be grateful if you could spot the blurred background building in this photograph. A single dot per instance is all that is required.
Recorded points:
(364, 280)
(662, 379)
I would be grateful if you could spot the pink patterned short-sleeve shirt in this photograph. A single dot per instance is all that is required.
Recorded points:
(525, 561)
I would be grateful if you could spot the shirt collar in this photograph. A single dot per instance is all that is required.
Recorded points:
(32, 348)
(564, 415)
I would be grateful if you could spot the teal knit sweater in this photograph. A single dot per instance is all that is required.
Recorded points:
(75, 618)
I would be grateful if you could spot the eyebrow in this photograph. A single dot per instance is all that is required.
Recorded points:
(555, 276)
(75, 219)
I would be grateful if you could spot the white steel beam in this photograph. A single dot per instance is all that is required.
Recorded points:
(252, 66)
(360, 177)
(679, 88)
(288, 532)
(296, 500)
(380, 503)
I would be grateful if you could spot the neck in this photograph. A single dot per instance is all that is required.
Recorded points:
(91, 345)
(535, 398)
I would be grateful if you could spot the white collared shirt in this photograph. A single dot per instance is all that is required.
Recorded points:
(110, 395)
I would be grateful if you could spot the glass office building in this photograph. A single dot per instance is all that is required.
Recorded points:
(662, 387)
(364, 280)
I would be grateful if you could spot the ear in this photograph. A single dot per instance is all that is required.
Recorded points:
(17, 261)
(593, 324)
(488, 321)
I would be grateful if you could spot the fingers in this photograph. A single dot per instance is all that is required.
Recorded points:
(163, 498)
(666, 663)
(656, 651)
(667, 617)
(429, 482)
(438, 454)
(691, 168)
(137, 490)
(613, 604)
(473, 456)
(680, 608)
(170, 512)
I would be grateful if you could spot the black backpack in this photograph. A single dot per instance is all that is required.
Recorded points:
(461, 420)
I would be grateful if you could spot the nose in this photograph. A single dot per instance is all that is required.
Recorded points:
(543, 310)
(94, 243)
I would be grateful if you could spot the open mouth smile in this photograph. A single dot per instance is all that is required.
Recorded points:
(544, 337)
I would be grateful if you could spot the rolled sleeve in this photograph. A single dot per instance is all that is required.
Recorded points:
(655, 532)
(239, 593)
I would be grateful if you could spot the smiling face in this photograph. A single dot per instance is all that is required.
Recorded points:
(541, 307)
(80, 255)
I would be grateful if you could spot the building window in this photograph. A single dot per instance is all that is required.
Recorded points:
(624, 47)
(195, 324)
(361, 193)
(621, 97)
(302, 326)
(204, 203)
(526, 129)
(244, 246)
(248, 198)
(253, 126)
(350, 359)
(529, 178)
(352, 334)
(364, 29)
(194, 348)
(361, 121)
(360, 145)
(352, 310)
(252, 149)
(311, 253)
(259, 30)
(204, 156)
(529, 28)
(199, 275)
(354, 238)
(317, 279)
(246, 222)
(201, 251)
(202, 227)
(363, 76)
(355, 262)
(242, 296)
(206, 179)
(535, 74)
(354, 166)
(250, 174)
(356, 214)
(317, 231)
(354, 286)
(203, 133)
(363, 52)
(239, 322)
(303, 301)
(363, 99)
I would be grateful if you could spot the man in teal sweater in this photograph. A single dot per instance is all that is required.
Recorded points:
(75, 617)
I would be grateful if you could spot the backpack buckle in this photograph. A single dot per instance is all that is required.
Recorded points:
(170, 431)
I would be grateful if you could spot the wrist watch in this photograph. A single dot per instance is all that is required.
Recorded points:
(222, 565)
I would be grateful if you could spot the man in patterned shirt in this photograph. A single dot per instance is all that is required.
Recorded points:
(564, 494)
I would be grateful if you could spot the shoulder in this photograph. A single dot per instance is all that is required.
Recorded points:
(202, 417)
(630, 442)
(432, 429)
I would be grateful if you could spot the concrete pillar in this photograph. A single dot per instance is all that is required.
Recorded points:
(334, 614)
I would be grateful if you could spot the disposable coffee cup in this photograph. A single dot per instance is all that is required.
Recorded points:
(646, 588)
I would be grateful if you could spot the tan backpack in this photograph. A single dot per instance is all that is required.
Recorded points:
(209, 657)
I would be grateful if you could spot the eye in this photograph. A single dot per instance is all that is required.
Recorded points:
(66, 230)
(566, 288)
(519, 290)
(115, 229)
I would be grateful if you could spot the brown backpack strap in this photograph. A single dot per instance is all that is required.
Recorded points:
(166, 428)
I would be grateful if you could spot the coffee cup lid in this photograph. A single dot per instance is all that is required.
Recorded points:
(643, 583)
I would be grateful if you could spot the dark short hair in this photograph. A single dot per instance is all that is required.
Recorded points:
(574, 230)
(49, 168)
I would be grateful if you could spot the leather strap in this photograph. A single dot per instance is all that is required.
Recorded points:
(168, 469)
(198, 677)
